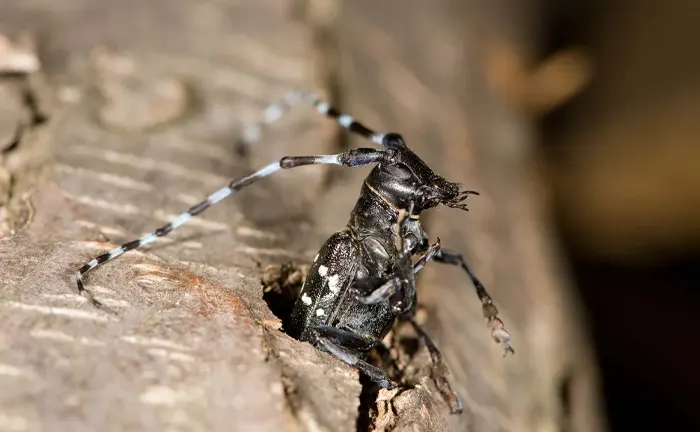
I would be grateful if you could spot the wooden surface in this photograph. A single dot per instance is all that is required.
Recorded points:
(193, 346)
(142, 101)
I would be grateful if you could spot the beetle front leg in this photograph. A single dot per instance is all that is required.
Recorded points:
(498, 330)
(387, 290)
(400, 289)
(429, 254)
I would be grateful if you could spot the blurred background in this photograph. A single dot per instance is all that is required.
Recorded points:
(621, 158)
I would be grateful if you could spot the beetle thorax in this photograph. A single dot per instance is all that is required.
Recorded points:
(407, 183)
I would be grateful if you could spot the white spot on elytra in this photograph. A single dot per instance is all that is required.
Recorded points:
(306, 299)
(316, 258)
(323, 270)
(333, 283)
(320, 312)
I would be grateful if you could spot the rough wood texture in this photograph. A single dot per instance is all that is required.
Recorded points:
(140, 131)
(143, 128)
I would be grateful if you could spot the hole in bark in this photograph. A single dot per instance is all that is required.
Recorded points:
(281, 286)
(367, 411)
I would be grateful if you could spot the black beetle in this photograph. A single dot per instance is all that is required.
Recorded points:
(363, 278)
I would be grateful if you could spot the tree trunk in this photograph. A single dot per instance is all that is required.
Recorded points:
(134, 114)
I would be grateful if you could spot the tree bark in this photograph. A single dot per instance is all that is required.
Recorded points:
(140, 103)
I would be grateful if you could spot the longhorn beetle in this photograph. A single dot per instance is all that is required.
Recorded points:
(363, 278)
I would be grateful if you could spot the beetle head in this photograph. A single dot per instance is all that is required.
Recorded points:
(440, 191)
(406, 181)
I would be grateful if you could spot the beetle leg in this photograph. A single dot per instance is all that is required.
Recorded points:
(438, 370)
(498, 330)
(352, 358)
(357, 341)
(347, 339)
(427, 256)
(400, 289)
(383, 293)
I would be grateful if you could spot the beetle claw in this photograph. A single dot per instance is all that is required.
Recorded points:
(501, 335)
